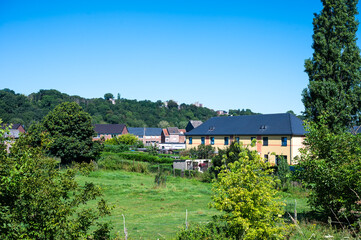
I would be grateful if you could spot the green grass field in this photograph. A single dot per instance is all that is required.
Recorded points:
(152, 212)
(159, 212)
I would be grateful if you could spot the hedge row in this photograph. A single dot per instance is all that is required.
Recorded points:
(144, 157)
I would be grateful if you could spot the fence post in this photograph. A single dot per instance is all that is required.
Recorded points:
(295, 210)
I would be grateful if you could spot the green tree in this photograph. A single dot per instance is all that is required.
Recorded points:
(71, 132)
(330, 167)
(108, 96)
(245, 194)
(38, 201)
(228, 155)
(334, 69)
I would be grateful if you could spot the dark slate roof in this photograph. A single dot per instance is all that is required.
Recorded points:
(137, 131)
(13, 126)
(267, 124)
(173, 130)
(109, 128)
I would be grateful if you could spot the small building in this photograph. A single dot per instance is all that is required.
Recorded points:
(276, 135)
(108, 131)
(14, 130)
(173, 135)
(149, 136)
(200, 165)
(172, 138)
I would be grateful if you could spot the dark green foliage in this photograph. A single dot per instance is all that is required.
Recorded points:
(239, 112)
(202, 152)
(214, 230)
(17, 108)
(108, 96)
(227, 155)
(71, 133)
(116, 148)
(37, 201)
(283, 172)
(330, 166)
(160, 179)
(334, 69)
(145, 157)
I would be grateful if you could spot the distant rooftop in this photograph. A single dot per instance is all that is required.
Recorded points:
(138, 131)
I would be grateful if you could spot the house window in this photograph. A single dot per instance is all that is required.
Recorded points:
(284, 141)
(212, 140)
(226, 140)
(265, 158)
(265, 141)
(203, 141)
(237, 139)
(190, 140)
(252, 138)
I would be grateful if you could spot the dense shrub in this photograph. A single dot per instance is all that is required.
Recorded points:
(213, 230)
(330, 167)
(116, 148)
(114, 162)
(38, 201)
(144, 157)
(246, 196)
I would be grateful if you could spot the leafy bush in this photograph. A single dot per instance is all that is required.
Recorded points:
(284, 173)
(245, 193)
(213, 230)
(114, 162)
(228, 155)
(38, 201)
(330, 167)
(127, 139)
(144, 157)
(116, 148)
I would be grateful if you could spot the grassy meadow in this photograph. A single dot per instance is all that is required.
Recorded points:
(154, 212)
(151, 212)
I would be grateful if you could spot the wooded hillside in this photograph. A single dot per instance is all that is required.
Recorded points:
(19, 108)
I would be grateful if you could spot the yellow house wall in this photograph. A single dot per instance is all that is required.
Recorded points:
(294, 143)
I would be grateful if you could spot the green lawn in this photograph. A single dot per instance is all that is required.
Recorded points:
(152, 212)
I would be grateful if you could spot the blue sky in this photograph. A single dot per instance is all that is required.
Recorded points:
(224, 54)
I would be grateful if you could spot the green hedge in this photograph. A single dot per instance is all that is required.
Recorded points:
(115, 148)
(144, 157)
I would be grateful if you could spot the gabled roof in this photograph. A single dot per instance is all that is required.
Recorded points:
(173, 130)
(109, 128)
(266, 124)
(193, 124)
(13, 126)
(137, 131)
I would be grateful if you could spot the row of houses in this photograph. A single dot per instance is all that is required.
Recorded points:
(276, 135)
(167, 138)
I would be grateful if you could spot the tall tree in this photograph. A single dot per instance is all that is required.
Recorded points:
(334, 69)
(71, 132)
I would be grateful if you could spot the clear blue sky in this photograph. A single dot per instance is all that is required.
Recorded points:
(224, 54)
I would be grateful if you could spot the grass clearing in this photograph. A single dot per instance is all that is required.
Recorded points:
(151, 212)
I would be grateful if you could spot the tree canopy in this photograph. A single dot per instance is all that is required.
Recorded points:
(18, 108)
(71, 132)
(334, 69)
